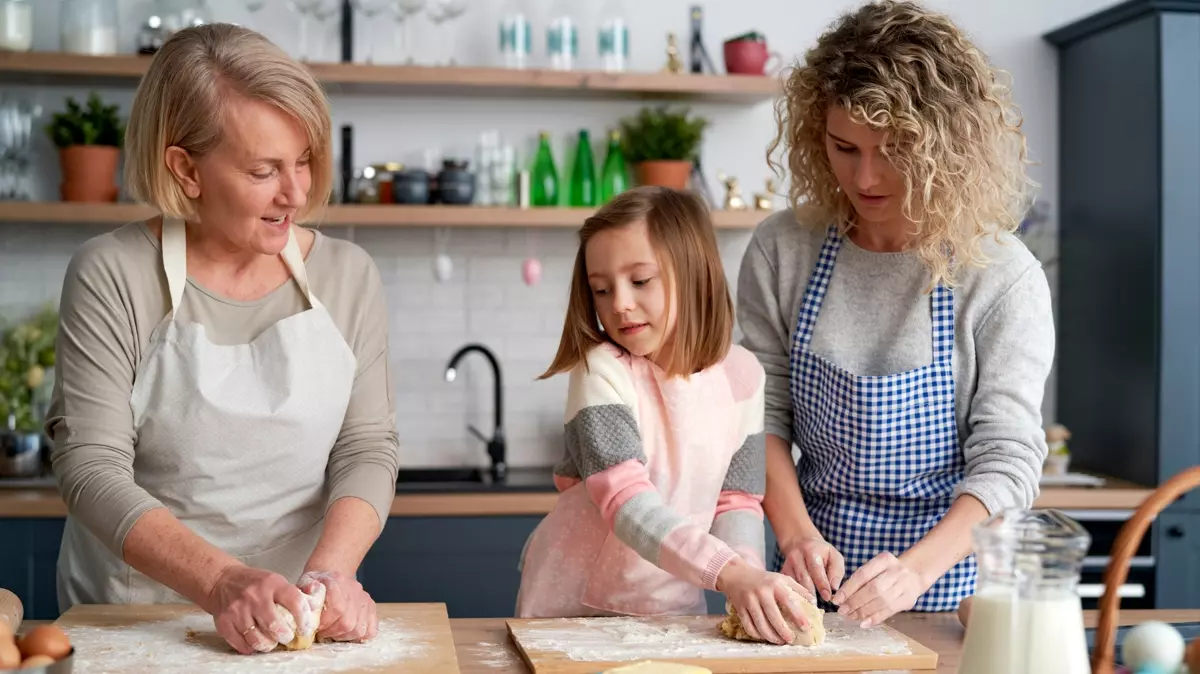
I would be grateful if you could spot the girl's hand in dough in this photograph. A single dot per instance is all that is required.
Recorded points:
(242, 603)
(349, 611)
(757, 596)
(815, 564)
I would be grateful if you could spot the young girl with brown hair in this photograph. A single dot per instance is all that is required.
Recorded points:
(663, 475)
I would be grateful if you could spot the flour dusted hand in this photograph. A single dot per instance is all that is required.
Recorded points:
(304, 625)
(349, 614)
(242, 603)
(812, 634)
(815, 564)
(761, 599)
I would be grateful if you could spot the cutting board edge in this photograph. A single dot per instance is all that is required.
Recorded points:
(921, 658)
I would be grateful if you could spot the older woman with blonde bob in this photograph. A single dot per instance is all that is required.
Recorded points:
(222, 419)
(907, 334)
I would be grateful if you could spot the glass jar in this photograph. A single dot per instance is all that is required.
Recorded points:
(16, 25)
(88, 27)
(1026, 615)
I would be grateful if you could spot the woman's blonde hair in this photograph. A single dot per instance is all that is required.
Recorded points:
(181, 102)
(681, 231)
(950, 126)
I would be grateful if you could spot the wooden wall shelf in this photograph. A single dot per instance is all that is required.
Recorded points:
(80, 70)
(358, 215)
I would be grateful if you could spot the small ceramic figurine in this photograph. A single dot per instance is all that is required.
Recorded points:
(674, 62)
(1058, 459)
(763, 200)
(733, 193)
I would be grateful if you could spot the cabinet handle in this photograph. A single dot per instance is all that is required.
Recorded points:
(1175, 531)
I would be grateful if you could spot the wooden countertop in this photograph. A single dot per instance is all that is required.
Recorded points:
(483, 645)
(44, 502)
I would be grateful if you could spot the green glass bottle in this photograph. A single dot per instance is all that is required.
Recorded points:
(544, 190)
(583, 174)
(614, 178)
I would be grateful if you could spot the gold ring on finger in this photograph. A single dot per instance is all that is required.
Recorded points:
(249, 629)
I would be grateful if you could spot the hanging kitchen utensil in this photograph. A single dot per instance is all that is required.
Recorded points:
(531, 268)
(443, 267)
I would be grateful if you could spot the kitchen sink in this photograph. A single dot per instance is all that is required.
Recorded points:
(440, 475)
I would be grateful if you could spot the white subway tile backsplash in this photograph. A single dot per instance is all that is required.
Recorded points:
(484, 301)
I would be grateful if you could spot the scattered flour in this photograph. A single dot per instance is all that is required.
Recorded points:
(692, 637)
(190, 643)
(493, 656)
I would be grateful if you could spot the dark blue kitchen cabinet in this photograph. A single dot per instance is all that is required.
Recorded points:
(469, 563)
(28, 557)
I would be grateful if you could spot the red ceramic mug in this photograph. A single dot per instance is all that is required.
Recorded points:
(748, 57)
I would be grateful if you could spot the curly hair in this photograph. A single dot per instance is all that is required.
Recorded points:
(950, 129)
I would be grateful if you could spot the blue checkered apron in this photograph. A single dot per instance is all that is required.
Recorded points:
(880, 455)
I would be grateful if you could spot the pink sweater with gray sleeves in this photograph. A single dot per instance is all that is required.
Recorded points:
(662, 483)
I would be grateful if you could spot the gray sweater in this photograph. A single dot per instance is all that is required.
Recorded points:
(875, 320)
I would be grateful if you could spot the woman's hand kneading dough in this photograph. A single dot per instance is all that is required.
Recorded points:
(349, 614)
(242, 603)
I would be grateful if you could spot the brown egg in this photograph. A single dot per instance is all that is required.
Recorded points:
(10, 657)
(37, 661)
(964, 610)
(1193, 655)
(45, 640)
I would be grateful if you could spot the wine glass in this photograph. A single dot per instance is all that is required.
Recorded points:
(253, 7)
(369, 9)
(303, 8)
(323, 12)
(444, 12)
(404, 11)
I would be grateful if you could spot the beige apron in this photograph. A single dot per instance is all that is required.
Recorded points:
(232, 439)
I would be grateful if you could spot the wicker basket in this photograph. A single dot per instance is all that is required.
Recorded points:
(1123, 550)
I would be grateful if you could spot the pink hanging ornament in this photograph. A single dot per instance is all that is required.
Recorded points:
(531, 271)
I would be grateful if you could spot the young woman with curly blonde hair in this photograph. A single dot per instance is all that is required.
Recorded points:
(906, 333)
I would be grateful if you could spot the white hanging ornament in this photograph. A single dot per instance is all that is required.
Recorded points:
(443, 267)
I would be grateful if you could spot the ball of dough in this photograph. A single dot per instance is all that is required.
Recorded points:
(304, 626)
(1153, 645)
(813, 635)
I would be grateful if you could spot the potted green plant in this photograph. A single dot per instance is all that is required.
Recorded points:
(27, 352)
(89, 141)
(661, 144)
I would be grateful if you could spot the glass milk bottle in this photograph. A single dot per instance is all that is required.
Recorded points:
(88, 27)
(562, 36)
(1026, 615)
(516, 35)
(613, 38)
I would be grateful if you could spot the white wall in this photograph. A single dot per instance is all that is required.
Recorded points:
(486, 301)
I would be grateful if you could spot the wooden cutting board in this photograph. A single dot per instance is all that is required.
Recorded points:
(590, 645)
(165, 639)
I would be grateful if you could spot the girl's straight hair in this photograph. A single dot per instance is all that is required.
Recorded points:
(681, 231)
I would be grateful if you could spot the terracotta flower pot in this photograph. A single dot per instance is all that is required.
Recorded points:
(89, 172)
(664, 173)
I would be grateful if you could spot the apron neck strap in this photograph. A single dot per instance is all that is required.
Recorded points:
(174, 259)
(814, 295)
